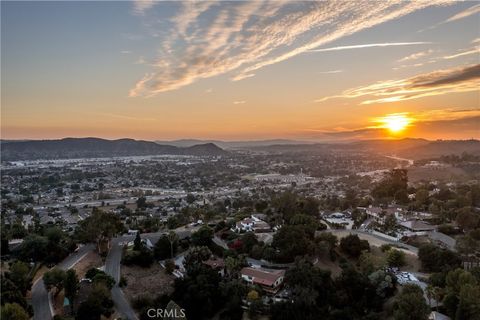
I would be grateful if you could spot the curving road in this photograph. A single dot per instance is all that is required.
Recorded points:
(41, 303)
(112, 267)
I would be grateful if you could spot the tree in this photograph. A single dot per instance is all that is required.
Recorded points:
(203, 237)
(248, 241)
(353, 246)
(253, 295)
(13, 311)
(34, 247)
(141, 203)
(196, 255)
(10, 293)
(410, 304)
(466, 219)
(54, 278)
(199, 292)
(172, 240)
(70, 284)
(98, 303)
(383, 282)
(393, 186)
(469, 303)
(435, 259)
(137, 243)
(396, 258)
(99, 227)
(369, 263)
(292, 241)
(166, 247)
(19, 275)
(234, 265)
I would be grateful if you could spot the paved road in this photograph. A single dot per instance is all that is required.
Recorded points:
(42, 307)
(112, 267)
(373, 239)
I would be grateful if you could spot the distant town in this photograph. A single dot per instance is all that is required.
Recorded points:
(282, 232)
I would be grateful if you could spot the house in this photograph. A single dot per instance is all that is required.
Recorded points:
(417, 226)
(379, 214)
(251, 224)
(268, 279)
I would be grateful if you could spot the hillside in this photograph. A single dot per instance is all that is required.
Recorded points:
(70, 148)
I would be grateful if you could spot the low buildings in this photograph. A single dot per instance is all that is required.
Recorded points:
(268, 279)
(417, 226)
(251, 224)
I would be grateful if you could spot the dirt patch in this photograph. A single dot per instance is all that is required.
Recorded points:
(91, 260)
(146, 280)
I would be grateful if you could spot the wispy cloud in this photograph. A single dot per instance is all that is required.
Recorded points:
(369, 45)
(415, 56)
(465, 13)
(440, 82)
(331, 71)
(461, 15)
(239, 102)
(463, 53)
(205, 38)
(141, 6)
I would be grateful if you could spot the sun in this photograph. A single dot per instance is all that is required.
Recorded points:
(395, 122)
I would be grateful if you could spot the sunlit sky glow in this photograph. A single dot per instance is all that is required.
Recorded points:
(240, 70)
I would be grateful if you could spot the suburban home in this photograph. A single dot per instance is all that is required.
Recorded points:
(268, 279)
(251, 224)
(417, 227)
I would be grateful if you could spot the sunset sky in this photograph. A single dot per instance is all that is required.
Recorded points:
(240, 70)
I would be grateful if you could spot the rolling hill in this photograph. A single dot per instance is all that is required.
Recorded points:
(70, 148)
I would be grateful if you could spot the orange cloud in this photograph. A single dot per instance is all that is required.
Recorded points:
(435, 83)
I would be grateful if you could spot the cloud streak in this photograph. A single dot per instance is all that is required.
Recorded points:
(461, 15)
(416, 56)
(435, 83)
(206, 39)
(369, 45)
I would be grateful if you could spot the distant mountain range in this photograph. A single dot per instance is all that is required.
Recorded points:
(232, 144)
(70, 148)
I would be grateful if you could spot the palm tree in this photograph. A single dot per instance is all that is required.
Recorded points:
(172, 238)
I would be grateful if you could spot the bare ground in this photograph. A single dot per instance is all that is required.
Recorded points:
(146, 280)
(91, 260)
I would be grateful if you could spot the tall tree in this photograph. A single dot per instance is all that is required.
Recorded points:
(99, 227)
(70, 284)
(410, 304)
(54, 279)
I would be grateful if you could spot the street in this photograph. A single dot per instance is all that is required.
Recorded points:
(41, 303)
